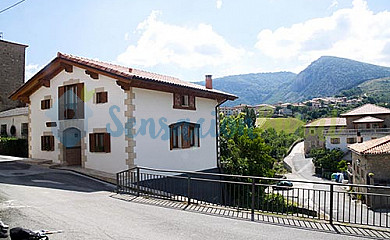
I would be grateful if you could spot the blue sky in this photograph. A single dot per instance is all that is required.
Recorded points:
(189, 39)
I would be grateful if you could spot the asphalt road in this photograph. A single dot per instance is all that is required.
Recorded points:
(39, 198)
(345, 208)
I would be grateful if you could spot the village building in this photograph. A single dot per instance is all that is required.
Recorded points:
(226, 111)
(358, 125)
(371, 166)
(264, 110)
(14, 123)
(110, 118)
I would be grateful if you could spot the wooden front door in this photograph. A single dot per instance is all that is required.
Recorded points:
(72, 144)
(73, 156)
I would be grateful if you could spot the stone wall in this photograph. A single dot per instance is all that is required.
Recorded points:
(12, 60)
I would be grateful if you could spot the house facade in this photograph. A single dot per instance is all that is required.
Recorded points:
(314, 133)
(358, 125)
(109, 118)
(371, 166)
(14, 123)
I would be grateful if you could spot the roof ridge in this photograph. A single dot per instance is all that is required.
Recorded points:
(357, 108)
(59, 54)
(379, 144)
(363, 106)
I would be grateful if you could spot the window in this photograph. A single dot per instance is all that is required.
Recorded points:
(101, 97)
(13, 131)
(99, 142)
(51, 124)
(3, 130)
(45, 104)
(351, 140)
(184, 135)
(24, 128)
(312, 131)
(335, 140)
(183, 101)
(47, 143)
(71, 104)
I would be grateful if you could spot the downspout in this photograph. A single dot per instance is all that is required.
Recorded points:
(217, 134)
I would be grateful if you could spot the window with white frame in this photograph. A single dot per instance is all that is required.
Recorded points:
(184, 135)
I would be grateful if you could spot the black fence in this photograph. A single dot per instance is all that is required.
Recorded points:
(332, 202)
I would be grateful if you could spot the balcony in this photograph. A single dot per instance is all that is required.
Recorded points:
(371, 131)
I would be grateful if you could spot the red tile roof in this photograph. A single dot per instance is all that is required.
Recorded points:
(368, 119)
(375, 146)
(367, 109)
(132, 72)
(328, 122)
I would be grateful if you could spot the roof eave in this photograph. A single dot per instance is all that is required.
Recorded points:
(17, 94)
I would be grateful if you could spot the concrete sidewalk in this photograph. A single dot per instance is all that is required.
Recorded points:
(104, 176)
(107, 177)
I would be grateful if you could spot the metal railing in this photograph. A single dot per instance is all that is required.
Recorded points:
(355, 131)
(329, 201)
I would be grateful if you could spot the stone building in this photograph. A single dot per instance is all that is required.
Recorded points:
(12, 60)
(371, 166)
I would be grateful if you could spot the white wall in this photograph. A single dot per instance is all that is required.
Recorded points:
(96, 116)
(343, 140)
(149, 104)
(155, 152)
(14, 121)
(342, 145)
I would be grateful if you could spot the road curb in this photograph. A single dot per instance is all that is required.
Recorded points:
(84, 174)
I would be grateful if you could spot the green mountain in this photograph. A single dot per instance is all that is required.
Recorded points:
(327, 76)
(253, 88)
(377, 90)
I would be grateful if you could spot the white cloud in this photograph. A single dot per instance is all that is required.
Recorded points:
(334, 4)
(127, 36)
(31, 70)
(160, 43)
(355, 33)
(219, 4)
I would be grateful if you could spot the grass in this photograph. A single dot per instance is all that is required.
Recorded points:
(288, 125)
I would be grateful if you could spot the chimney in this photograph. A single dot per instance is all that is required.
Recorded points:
(209, 82)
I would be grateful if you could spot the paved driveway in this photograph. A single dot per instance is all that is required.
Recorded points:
(39, 198)
(345, 208)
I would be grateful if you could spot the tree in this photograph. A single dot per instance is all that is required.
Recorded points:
(250, 117)
(328, 159)
(243, 151)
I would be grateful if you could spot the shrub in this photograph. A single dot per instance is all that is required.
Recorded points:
(14, 147)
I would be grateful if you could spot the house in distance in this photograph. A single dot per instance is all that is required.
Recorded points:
(358, 125)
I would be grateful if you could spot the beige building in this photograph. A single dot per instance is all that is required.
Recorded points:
(314, 132)
(371, 166)
(358, 125)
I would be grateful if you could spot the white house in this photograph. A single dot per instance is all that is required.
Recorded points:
(14, 122)
(108, 117)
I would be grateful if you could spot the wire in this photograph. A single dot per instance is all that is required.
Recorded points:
(5, 9)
